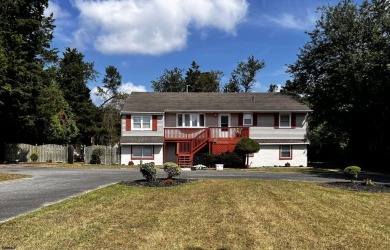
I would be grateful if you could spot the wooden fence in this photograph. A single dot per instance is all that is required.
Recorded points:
(59, 153)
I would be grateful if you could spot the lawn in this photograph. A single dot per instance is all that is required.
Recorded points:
(7, 177)
(208, 214)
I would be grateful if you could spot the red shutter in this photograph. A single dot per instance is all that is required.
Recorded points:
(240, 119)
(276, 120)
(293, 120)
(154, 123)
(128, 122)
(254, 119)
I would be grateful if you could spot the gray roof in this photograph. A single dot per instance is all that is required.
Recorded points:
(160, 102)
(142, 139)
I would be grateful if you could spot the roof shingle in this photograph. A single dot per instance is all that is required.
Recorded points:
(160, 102)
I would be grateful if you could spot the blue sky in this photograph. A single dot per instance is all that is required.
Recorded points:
(141, 38)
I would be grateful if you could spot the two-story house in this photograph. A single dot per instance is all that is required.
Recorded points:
(173, 127)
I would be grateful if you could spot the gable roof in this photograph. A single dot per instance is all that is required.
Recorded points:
(160, 102)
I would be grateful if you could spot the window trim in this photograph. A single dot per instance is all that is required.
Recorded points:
(289, 120)
(281, 150)
(191, 119)
(243, 119)
(142, 122)
(142, 157)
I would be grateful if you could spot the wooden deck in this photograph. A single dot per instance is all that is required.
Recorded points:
(191, 140)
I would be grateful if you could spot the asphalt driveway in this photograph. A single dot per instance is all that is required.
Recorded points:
(51, 185)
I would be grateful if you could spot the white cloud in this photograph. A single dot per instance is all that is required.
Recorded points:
(289, 21)
(124, 88)
(57, 11)
(152, 27)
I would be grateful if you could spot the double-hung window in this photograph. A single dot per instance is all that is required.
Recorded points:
(142, 152)
(190, 120)
(247, 120)
(284, 121)
(142, 123)
(285, 152)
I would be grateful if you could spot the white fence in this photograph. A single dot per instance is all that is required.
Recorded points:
(58, 153)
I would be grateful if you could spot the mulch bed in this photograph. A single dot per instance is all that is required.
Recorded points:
(157, 183)
(358, 186)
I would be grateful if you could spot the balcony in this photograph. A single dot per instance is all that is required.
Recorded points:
(177, 134)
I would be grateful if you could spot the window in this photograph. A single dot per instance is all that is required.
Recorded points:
(247, 120)
(190, 120)
(142, 152)
(142, 122)
(285, 152)
(284, 121)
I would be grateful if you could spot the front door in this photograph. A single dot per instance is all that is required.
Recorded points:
(224, 123)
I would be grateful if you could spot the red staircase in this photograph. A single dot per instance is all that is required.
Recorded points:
(187, 149)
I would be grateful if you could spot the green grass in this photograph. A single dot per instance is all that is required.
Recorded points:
(8, 177)
(208, 214)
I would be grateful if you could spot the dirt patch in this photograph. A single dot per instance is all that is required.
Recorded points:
(157, 183)
(359, 186)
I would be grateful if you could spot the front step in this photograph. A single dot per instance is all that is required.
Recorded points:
(184, 160)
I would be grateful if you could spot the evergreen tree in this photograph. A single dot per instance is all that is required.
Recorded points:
(25, 36)
(73, 77)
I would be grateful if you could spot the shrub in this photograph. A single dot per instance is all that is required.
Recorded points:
(172, 169)
(149, 171)
(352, 172)
(245, 147)
(131, 163)
(287, 164)
(96, 154)
(368, 182)
(34, 157)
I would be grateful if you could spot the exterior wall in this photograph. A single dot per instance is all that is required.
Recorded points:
(281, 133)
(269, 156)
(126, 155)
(211, 120)
(159, 132)
(266, 130)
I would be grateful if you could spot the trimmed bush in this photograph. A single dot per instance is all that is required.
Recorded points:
(149, 171)
(34, 157)
(352, 172)
(96, 154)
(172, 169)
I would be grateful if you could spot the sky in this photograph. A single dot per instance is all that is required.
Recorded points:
(141, 38)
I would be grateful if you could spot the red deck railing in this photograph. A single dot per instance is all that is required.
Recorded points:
(201, 133)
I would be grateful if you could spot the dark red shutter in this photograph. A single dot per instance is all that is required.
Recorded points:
(254, 119)
(276, 120)
(128, 122)
(154, 123)
(293, 120)
(240, 119)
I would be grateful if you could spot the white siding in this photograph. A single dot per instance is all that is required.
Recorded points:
(281, 133)
(126, 155)
(269, 156)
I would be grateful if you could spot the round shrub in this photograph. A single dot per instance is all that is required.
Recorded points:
(34, 157)
(172, 169)
(352, 172)
(149, 171)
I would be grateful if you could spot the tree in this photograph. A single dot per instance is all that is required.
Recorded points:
(199, 81)
(245, 147)
(273, 88)
(344, 73)
(244, 75)
(170, 81)
(25, 36)
(112, 104)
(73, 77)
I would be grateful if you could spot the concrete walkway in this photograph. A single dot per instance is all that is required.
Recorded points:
(51, 185)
